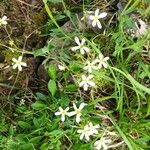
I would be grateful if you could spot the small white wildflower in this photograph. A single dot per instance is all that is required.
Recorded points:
(90, 66)
(102, 61)
(18, 63)
(3, 20)
(61, 67)
(80, 46)
(77, 111)
(84, 133)
(102, 143)
(86, 82)
(63, 113)
(22, 102)
(93, 129)
(95, 18)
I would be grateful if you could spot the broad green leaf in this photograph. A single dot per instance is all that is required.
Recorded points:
(52, 87)
(52, 72)
(24, 125)
(27, 146)
(35, 140)
(71, 88)
(38, 105)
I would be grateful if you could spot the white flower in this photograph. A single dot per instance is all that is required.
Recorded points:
(102, 143)
(61, 67)
(96, 18)
(84, 133)
(77, 111)
(63, 113)
(90, 66)
(22, 102)
(80, 46)
(86, 82)
(3, 20)
(18, 63)
(93, 129)
(102, 61)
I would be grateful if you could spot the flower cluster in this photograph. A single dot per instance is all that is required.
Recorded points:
(96, 64)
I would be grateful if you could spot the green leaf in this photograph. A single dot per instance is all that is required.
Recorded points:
(40, 96)
(52, 87)
(38, 105)
(41, 52)
(27, 146)
(24, 125)
(71, 88)
(52, 71)
(75, 67)
(35, 140)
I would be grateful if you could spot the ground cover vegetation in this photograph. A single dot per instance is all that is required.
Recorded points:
(75, 74)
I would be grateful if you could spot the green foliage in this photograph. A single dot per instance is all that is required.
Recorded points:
(119, 103)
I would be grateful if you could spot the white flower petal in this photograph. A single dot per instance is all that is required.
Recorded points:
(23, 64)
(83, 41)
(19, 68)
(77, 40)
(99, 24)
(14, 60)
(94, 23)
(81, 136)
(57, 113)
(91, 17)
(84, 77)
(106, 58)
(79, 131)
(74, 106)
(82, 106)
(97, 12)
(103, 15)
(82, 51)
(81, 84)
(20, 58)
(86, 49)
(75, 48)
(72, 113)
(90, 77)
(85, 87)
(105, 65)
(62, 117)
(78, 118)
(101, 56)
(91, 83)
(15, 66)
(87, 137)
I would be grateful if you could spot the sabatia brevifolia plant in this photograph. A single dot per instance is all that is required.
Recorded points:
(17, 63)
(102, 143)
(96, 18)
(63, 113)
(77, 111)
(87, 82)
(88, 131)
(81, 46)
